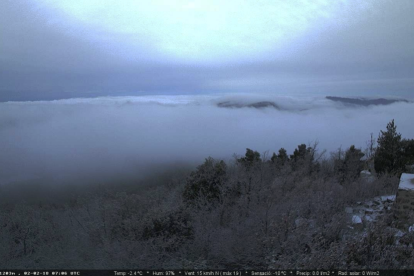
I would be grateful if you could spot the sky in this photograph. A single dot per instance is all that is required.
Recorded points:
(52, 49)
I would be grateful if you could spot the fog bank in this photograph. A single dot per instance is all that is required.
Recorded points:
(110, 137)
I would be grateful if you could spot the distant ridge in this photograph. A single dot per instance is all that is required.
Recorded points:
(365, 102)
(262, 104)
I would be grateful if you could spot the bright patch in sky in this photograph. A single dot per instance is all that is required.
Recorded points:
(206, 30)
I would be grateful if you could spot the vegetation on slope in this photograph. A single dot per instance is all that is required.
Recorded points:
(253, 213)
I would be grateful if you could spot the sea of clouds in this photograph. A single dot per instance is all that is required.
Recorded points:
(109, 137)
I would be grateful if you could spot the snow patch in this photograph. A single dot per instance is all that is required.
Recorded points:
(388, 198)
(406, 181)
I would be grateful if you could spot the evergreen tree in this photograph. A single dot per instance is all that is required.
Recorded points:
(339, 165)
(408, 151)
(282, 156)
(303, 159)
(206, 181)
(274, 158)
(389, 154)
(352, 163)
(251, 158)
(300, 153)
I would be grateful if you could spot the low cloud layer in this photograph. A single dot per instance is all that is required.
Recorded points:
(106, 138)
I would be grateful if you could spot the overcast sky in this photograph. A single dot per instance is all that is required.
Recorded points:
(53, 49)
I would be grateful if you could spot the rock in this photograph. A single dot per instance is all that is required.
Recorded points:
(365, 173)
(369, 218)
(349, 210)
(368, 204)
(369, 211)
(356, 220)
(399, 234)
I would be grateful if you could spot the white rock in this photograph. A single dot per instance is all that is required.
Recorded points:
(365, 173)
(356, 220)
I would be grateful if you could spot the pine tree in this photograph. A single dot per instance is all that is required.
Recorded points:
(303, 159)
(300, 153)
(408, 151)
(388, 157)
(352, 163)
(282, 156)
(250, 159)
(206, 181)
